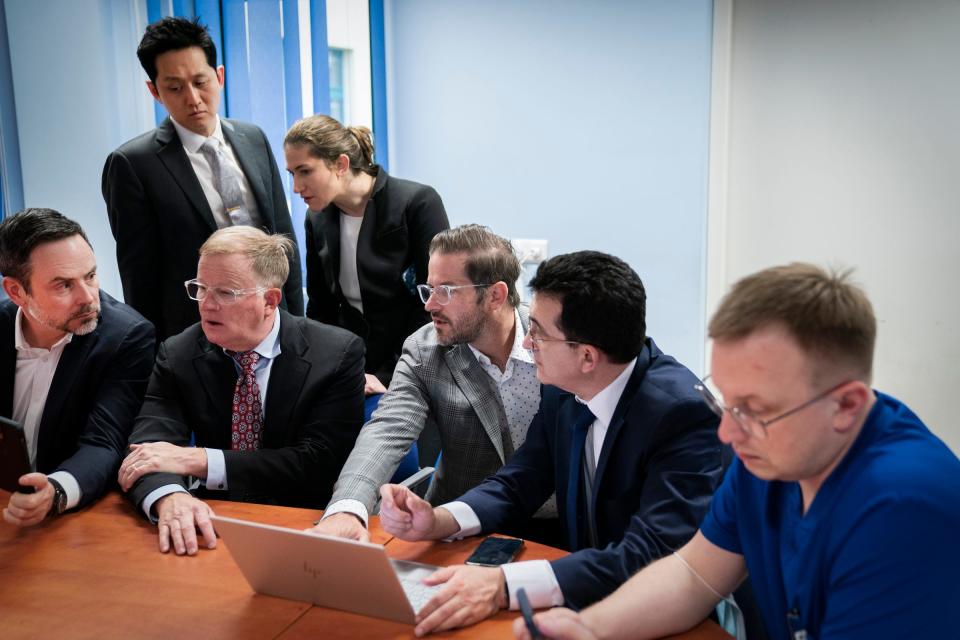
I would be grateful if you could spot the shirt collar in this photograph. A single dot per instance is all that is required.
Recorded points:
(193, 141)
(269, 347)
(517, 352)
(604, 404)
(20, 341)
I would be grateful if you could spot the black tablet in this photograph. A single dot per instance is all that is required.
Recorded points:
(14, 459)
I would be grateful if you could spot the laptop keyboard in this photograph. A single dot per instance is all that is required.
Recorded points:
(411, 579)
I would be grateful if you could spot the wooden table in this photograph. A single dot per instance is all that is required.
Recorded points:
(98, 574)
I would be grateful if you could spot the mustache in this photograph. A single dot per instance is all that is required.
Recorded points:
(87, 309)
(439, 316)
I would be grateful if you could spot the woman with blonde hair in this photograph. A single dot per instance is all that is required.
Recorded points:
(367, 237)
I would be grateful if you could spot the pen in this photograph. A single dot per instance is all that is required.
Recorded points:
(527, 612)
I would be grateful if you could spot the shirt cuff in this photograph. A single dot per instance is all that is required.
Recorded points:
(347, 506)
(465, 517)
(216, 470)
(155, 495)
(536, 577)
(70, 486)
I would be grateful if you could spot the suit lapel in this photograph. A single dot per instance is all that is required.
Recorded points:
(287, 377)
(174, 158)
(329, 220)
(8, 354)
(69, 371)
(218, 378)
(619, 416)
(468, 372)
(250, 163)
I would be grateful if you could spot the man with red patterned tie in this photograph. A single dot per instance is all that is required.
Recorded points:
(272, 401)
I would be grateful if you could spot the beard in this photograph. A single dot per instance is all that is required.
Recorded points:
(50, 323)
(468, 329)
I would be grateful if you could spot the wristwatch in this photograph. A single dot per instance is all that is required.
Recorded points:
(59, 498)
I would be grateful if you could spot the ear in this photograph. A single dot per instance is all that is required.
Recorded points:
(15, 291)
(220, 76)
(272, 297)
(342, 165)
(851, 399)
(152, 88)
(497, 294)
(589, 357)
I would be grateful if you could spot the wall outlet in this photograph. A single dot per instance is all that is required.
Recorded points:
(530, 251)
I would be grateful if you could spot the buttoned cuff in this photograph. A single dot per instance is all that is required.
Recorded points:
(465, 517)
(70, 486)
(536, 577)
(347, 506)
(216, 470)
(155, 495)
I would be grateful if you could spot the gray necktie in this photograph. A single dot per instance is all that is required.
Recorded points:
(226, 180)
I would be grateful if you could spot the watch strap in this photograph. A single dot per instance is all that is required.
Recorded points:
(59, 498)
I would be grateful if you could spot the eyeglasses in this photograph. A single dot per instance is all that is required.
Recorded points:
(444, 293)
(750, 424)
(537, 340)
(198, 291)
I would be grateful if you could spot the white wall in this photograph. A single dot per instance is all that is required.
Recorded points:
(79, 93)
(582, 122)
(842, 148)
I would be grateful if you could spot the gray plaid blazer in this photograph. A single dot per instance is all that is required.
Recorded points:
(443, 384)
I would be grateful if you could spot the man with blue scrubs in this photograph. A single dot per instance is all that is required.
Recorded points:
(842, 506)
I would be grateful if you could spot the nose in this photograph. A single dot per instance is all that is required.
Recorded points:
(192, 95)
(297, 185)
(87, 293)
(431, 304)
(729, 432)
(527, 342)
(208, 302)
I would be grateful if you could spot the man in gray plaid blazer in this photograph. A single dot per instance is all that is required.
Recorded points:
(467, 370)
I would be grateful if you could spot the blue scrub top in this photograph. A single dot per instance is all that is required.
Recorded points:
(877, 555)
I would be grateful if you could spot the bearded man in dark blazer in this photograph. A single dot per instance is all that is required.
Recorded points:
(167, 190)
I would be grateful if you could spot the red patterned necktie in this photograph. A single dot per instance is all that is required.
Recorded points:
(247, 412)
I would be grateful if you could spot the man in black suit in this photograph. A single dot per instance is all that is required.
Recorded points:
(74, 364)
(274, 401)
(169, 189)
(621, 435)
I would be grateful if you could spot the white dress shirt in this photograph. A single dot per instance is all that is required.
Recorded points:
(519, 395)
(201, 166)
(35, 370)
(349, 279)
(536, 576)
(269, 349)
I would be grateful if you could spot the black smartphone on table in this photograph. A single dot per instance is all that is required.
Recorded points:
(14, 459)
(494, 551)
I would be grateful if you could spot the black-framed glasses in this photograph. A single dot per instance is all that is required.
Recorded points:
(749, 423)
(224, 296)
(443, 294)
(537, 341)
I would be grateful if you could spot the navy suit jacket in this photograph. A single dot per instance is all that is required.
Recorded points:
(160, 217)
(658, 468)
(313, 413)
(94, 396)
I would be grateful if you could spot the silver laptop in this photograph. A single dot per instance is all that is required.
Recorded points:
(331, 572)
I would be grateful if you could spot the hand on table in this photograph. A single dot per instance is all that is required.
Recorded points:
(28, 509)
(179, 515)
(342, 525)
(469, 595)
(406, 515)
(556, 624)
(372, 385)
(154, 457)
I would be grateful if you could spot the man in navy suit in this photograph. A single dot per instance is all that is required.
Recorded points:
(74, 364)
(170, 188)
(621, 435)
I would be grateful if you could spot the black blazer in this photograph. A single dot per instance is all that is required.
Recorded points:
(314, 409)
(658, 468)
(159, 217)
(399, 222)
(94, 396)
